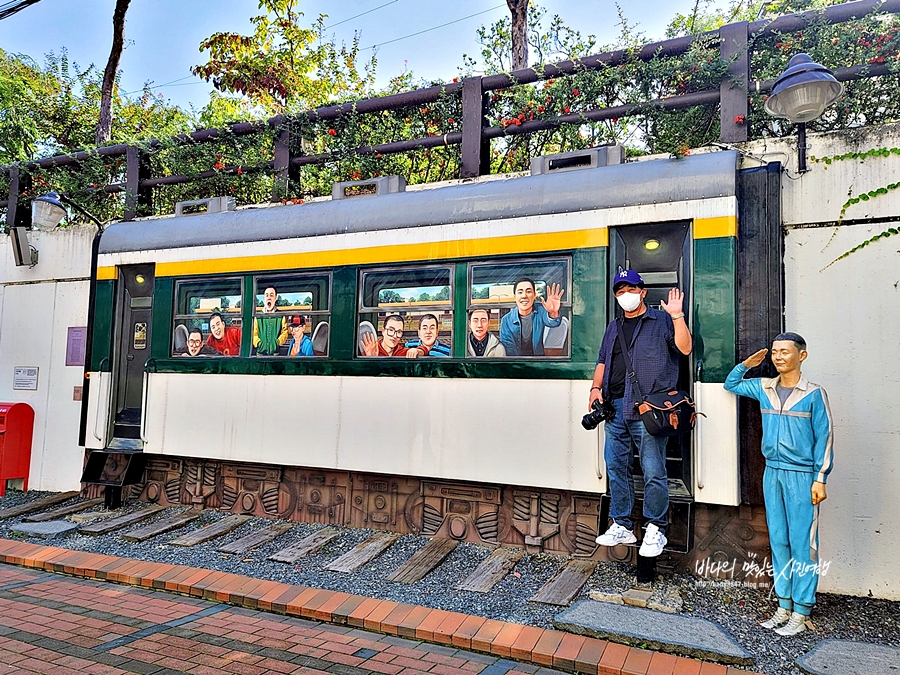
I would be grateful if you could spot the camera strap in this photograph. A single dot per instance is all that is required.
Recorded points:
(627, 356)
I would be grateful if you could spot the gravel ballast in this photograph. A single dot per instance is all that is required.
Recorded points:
(735, 607)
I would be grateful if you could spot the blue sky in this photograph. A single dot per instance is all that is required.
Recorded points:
(163, 35)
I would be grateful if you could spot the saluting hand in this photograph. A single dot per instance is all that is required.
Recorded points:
(755, 359)
(553, 300)
(675, 304)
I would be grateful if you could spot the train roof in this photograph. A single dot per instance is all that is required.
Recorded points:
(702, 176)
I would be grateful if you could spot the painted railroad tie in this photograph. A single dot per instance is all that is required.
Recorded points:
(423, 561)
(106, 526)
(159, 527)
(305, 546)
(204, 534)
(492, 570)
(256, 538)
(63, 511)
(368, 550)
(565, 584)
(37, 504)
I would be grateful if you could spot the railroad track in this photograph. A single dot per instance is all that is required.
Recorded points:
(181, 527)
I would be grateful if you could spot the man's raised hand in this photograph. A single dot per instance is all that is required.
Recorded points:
(369, 345)
(553, 300)
(755, 359)
(675, 305)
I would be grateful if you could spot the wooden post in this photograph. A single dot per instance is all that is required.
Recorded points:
(138, 199)
(734, 89)
(18, 211)
(286, 176)
(476, 150)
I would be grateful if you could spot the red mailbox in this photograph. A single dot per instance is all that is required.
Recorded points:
(16, 429)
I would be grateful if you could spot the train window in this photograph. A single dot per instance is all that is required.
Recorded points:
(406, 312)
(509, 299)
(292, 315)
(207, 318)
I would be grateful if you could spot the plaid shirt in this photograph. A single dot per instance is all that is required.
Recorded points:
(654, 356)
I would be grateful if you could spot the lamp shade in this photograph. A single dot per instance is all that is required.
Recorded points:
(47, 211)
(803, 91)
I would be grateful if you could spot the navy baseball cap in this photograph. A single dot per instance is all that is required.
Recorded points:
(627, 277)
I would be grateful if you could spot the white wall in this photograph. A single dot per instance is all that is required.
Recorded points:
(849, 313)
(37, 306)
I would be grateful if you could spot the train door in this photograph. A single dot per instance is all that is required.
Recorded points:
(135, 307)
(661, 254)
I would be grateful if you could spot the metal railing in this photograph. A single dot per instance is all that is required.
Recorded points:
(732, 95)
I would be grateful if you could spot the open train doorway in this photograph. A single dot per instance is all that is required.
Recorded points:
(661, 254)
(132, 350)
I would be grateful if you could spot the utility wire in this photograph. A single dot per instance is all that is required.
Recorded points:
(428, 30)
(9, 8)
(358, 15)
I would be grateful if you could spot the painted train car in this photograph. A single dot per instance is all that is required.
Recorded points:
(231, 355)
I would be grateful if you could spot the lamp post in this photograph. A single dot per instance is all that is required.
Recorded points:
(47, 211)
(801, 94)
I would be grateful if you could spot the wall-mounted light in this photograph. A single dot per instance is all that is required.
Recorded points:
(801, 94)
(651, 244)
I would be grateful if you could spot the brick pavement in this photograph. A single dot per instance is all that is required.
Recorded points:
(82, 624)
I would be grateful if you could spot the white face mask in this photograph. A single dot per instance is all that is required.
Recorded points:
(629, 301)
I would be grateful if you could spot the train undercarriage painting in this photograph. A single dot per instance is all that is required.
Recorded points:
(361, 362)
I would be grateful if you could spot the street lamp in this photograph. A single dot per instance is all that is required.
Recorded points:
(48, 210)
(801, 94)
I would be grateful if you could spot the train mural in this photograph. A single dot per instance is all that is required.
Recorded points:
(356, 361)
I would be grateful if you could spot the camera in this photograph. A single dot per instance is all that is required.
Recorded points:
(602, 412)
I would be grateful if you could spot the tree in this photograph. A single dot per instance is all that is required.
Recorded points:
(104, 126)
(519, 11)
(389, 296)
(283, 65)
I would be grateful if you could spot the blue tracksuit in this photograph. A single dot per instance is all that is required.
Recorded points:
(797, 446)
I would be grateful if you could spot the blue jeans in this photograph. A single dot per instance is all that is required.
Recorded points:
(652, 451)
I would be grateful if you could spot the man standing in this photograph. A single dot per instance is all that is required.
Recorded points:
(389, 344)
(224, 339)
(797, 446)
(428, 336)
(522, 329)
(654, 339)
(269, 332)
(481, 342)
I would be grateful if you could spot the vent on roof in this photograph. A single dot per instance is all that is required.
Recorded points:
(579, 159)
(373, 187)
(200, 206)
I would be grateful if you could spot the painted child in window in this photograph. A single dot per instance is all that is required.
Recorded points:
(428, 337)
(299, 344)
(269, 332)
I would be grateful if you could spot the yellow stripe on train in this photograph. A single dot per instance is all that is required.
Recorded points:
(704, 228)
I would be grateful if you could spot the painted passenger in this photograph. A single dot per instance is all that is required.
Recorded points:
(299, 344)
(226, 340)
(655, 339)
(195, 346)
(269, 332)
(428, 337)
(797, 446)
(481, 341)
(522, 329)
(390, 343)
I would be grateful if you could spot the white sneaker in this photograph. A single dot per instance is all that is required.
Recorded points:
(797, 624)
(780, 617)
(654, 542)
(616, 534)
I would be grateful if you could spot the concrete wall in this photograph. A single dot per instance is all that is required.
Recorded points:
(37, 306)
(849, 313)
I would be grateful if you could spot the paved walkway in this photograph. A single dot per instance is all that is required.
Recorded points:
(81, 624)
